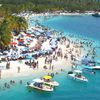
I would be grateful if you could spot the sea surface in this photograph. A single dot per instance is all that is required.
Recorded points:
(68, 90)
(79, 26)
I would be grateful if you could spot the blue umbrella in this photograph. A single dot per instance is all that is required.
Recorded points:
(37, 33)
(28, 57)
(49, 50)
(84, 61)
(35, 53)
(26, 48)
(53, 46)
(42, 52)
(48, 33)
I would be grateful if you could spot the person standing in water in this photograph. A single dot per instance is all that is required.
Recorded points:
(0, 73)
(18, 69)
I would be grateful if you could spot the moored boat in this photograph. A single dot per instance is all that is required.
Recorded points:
(96, 15)
(40, 85)
(96, 67)
(88, 70)
(77, 75)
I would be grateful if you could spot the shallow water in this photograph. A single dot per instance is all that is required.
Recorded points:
(68, 89)
(84, 26)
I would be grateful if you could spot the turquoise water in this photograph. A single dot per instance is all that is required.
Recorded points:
(80, 26)
(68, 90)
(87, 26)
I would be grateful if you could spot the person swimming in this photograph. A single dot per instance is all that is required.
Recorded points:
(21, 82)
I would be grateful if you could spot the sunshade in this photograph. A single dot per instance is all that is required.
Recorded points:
(47, 77)
(13, 43)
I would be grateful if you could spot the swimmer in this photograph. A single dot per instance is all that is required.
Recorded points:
(28, 83)
(5, 84)
(8, 86)
(56, 73)
(11, 81)
(20, 81)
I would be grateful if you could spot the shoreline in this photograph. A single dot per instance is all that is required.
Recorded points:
(28, 15)
(26, 71)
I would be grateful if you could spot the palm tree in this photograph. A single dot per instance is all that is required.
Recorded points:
(17, 23)
(8, 24)
(22, 24)
(5, 34)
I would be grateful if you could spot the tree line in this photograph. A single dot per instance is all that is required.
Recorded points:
(16, 6)
(8, 7)
(8, 25)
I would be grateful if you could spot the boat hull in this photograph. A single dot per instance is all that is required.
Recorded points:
(96, 67)
(52, 83)
(96, 15)
(46, 88)
(82, 79)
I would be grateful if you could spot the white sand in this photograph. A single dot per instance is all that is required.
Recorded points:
(26, 70)
(58, 65)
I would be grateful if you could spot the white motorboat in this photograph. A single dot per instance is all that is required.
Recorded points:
(96, 67)
(48, 80)
(40, 85)
(77, 75)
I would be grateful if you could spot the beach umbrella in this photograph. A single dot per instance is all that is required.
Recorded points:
(35, 53)
(21, 40)
(38, 30)
(47, 77)
(26, 49)
(13, 43)
(32, 34)
(37, 33)
(0, 53)
(42, 52)
(22, 34)
(48, 34)
(28, 57)
(54, 40)
(53, 46)
(47, 49)
(5, 52)
(29, 31)
(84, 61)
(28, 35)
(46, 46)
(28, 39)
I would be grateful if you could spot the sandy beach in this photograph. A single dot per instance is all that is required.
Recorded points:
(60, 63)
(67, 48)
(57, 13)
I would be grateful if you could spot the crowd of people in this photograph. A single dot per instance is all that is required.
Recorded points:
(66, 50)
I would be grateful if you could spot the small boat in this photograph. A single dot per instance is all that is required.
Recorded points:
(96, 67)
(88, 70)
(48, 80)
(77, 75)
(40, 85)
(96, 15)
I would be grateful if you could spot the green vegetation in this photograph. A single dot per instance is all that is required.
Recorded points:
(5, 34)
(7, 25)
(11, 6)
